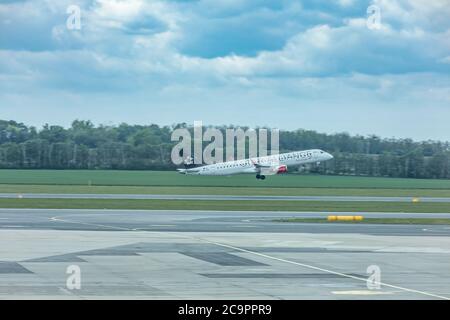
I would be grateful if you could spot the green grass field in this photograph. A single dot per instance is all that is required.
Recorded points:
(159, 182)
(165, 178)
(328, 206)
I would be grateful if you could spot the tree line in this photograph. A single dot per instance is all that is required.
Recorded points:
(148, 147)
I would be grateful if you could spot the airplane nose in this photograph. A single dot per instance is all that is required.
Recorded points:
(330, 156)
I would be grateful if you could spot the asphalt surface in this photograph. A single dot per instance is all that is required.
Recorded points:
(125, 254)
(208, 221)
(218, 197)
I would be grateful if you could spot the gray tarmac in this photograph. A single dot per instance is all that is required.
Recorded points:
(208, 221)
(217, 197)
(217, 255)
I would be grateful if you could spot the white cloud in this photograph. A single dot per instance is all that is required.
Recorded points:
(445, 60)
(346, 3)
(133, 51)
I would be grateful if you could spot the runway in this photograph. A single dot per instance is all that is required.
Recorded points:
(217, 255)
(218, 197)
(207, 221)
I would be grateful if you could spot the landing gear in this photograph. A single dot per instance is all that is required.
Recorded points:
(259, 176)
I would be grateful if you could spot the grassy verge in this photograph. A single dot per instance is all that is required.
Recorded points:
(330, 206)
(75, 189)
(166, 178)
(371, 220)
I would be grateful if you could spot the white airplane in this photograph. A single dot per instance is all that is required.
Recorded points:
(262, 166)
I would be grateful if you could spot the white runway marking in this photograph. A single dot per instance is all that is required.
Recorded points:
(362, 292)
(322, 269)
(265, 256)
(56, 219)
(162, 225)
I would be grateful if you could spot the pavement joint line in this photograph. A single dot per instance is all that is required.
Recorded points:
(322, 269)
(269, 257)
(56, 219)
(60, 288)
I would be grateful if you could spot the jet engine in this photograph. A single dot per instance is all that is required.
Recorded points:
(282, 169)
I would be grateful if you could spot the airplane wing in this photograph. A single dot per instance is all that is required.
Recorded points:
(187, 171)
(269, 169)
(259, 166)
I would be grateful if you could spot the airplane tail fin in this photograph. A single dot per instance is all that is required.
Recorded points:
(189, 163)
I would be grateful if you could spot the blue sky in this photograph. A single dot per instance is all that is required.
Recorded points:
(285, 64)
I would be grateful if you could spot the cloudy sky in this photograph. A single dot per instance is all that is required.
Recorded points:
(286, 64)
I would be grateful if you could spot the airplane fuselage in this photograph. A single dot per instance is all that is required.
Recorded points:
(267, 165)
